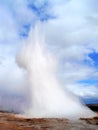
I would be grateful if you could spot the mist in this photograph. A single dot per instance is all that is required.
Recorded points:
(48, 98)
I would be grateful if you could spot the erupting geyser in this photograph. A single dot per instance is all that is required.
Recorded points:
(48, 99)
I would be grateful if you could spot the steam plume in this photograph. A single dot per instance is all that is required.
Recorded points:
(48, 99)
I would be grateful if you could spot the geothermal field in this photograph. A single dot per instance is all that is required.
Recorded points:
(51, 107)
(48, 65)
(10, 121)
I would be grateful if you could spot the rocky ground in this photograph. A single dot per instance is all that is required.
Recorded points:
(10, 121)
(93, 107)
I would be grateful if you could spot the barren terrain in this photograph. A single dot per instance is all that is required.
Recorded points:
(10, 121)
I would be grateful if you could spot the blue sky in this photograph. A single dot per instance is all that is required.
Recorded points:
(71, 34)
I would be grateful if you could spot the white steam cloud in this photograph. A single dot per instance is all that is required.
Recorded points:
(48, 98)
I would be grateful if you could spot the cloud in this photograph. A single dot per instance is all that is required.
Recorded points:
(85, 91)
(5, 27)
(72, 36)
(13, 15)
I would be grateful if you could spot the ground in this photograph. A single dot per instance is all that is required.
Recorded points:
(10, 121)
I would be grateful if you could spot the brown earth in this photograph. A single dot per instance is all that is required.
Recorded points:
(10, 121)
